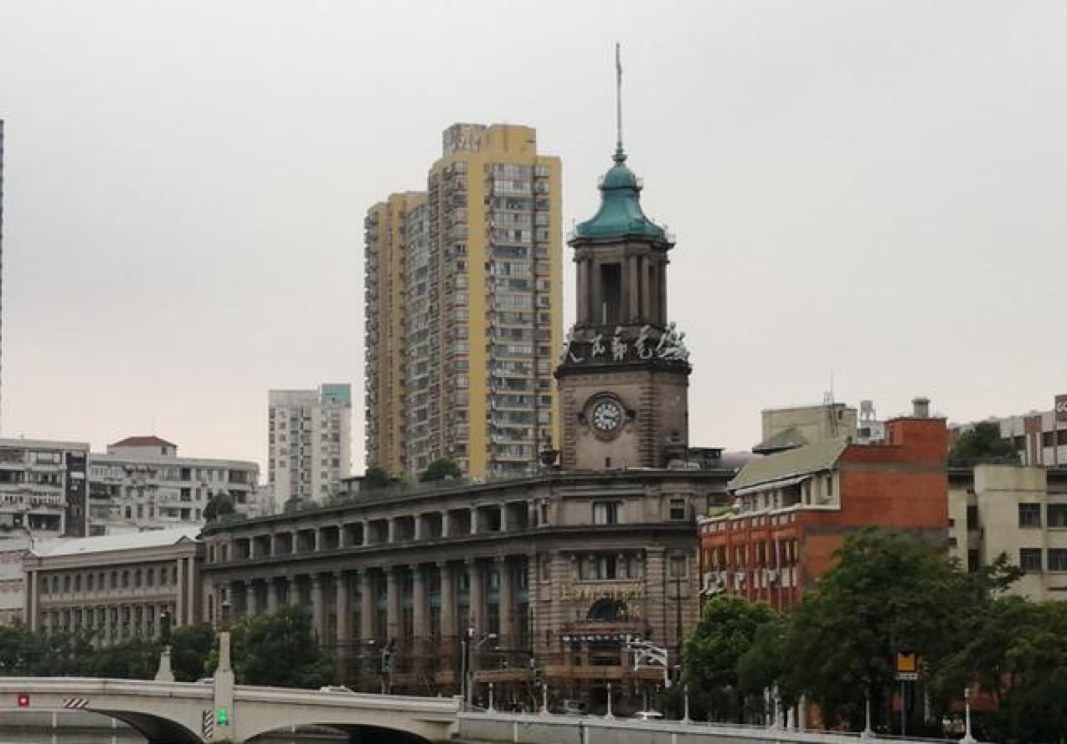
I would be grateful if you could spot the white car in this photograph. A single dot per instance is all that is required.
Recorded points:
(337, 688)
(648, 715)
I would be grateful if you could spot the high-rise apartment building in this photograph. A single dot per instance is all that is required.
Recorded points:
(464, 309)
(309, 441)
(1, 256)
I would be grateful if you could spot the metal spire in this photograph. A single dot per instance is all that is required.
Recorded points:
(620, 156)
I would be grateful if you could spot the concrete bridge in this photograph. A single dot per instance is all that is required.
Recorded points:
(186, 713)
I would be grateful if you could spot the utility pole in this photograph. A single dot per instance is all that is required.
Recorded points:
(678, 625)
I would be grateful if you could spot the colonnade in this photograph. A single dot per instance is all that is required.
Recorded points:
(406, 603)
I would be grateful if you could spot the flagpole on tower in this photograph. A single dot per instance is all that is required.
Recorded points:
(618, 102)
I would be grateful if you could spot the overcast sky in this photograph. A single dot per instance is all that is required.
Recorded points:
(868, 192)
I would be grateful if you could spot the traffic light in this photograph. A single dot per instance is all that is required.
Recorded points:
(222, 716)
(24, 700)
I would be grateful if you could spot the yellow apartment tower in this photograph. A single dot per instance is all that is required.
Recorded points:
(464, 314)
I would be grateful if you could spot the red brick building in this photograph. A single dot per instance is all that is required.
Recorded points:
(790, 511)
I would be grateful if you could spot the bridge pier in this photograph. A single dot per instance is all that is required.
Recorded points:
(223, 697)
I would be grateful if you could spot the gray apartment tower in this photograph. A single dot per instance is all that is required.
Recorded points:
(1, 269)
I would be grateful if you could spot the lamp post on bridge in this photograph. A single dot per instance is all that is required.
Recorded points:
(467, 654)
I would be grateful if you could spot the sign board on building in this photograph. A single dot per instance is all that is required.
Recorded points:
(1061, 407)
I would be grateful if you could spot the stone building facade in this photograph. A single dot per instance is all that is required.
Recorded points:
(516, 583)
(114, 587)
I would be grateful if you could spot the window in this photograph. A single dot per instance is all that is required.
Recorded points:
(1030, 560)
(605, 512)
(677, 509)
(677, 567)
(1029, 515)
(972, 517)
(1057, 559)
(1057, 515)
(607, 567)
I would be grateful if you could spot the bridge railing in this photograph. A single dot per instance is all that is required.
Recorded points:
(540, 728)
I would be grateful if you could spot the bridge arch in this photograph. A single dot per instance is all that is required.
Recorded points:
(361, 734)
(157, 729)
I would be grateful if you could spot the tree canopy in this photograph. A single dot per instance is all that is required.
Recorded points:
(890, 593)
(191, 646)
(376, 477)
(219, 506)
(441, 470)
(279, 650)
(982, 444)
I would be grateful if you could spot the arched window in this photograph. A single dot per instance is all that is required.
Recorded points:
(608, 609)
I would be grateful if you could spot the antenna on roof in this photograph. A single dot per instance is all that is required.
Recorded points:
(828, 401)
(619, 154)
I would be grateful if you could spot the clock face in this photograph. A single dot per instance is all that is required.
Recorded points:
(607, 415)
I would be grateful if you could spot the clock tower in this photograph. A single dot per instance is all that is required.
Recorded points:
(624, 375)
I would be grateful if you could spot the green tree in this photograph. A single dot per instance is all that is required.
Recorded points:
(982, 444)
(191, 646)
(16, 650)
(441, 470)
(135, 658)
(279, 650)
(762, 666)
(219, 507)
(376, 477)
(887, 593)
(711, 654)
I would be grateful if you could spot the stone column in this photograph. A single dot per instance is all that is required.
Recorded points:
(366, 532)
(293, 595)
(342, 540)
(366, 606)
(444, 523)
(507, 602)
(419, 519)
(420, 605)
(251, 601)
(448, 601)
(318, 607)
(632, 282)
(476, 596)
(190, 591)
(31, 601)
(392, 603)
(391, 530)
(344, 608)
(584, 292)
(179, 593)
(504, 526)
(272, 595)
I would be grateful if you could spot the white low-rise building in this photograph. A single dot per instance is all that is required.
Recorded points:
(142, 483)
(1018, 511)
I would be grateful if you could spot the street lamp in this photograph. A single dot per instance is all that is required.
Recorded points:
(467, 652)
(968, 738)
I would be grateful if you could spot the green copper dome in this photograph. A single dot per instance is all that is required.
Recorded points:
(620, 214)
